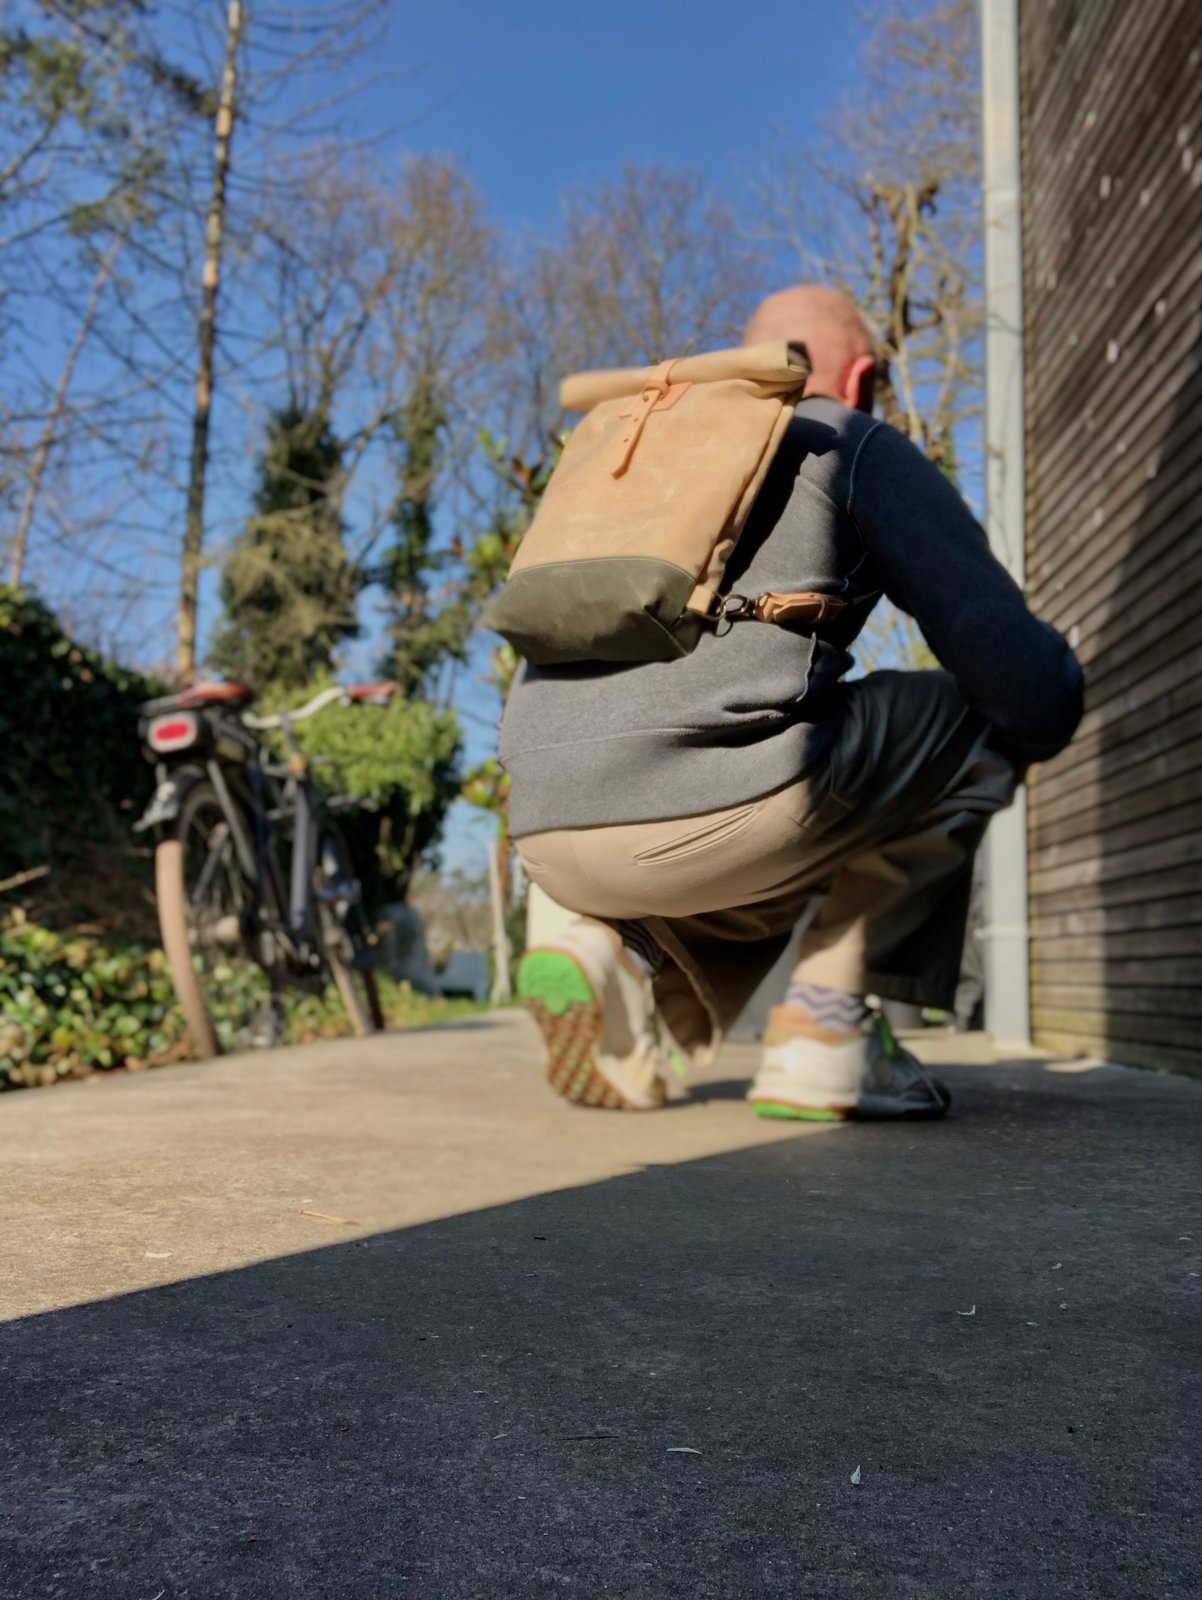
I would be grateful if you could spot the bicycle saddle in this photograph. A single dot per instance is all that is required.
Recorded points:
(234, 696)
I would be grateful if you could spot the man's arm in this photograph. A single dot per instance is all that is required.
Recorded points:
(936, 564)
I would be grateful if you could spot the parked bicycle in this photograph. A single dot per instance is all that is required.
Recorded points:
(255, 886)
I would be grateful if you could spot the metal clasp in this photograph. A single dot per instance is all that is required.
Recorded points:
(733, 608)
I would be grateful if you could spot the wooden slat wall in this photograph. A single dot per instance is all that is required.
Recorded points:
(1112, 220)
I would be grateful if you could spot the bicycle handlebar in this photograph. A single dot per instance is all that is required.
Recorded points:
(361, 693)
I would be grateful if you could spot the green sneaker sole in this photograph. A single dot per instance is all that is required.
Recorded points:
(557, 994)
(553, 979)
(783, 1113)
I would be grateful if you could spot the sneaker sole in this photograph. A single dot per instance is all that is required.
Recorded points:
(787, 1113)
(866, 1111)
(558, 995)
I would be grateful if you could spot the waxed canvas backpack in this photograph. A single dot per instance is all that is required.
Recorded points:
(624, 559)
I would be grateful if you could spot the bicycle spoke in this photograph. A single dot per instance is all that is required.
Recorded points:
(217, 857)
(237, 992)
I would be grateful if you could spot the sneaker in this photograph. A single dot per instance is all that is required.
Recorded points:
(866, 1074)
(596, 1017)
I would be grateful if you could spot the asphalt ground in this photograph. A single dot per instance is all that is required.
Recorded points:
(388, 1319)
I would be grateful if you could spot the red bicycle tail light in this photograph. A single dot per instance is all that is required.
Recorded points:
(173, 732)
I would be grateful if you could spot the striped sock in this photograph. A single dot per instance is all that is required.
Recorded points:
(832, 1009)
(640, 949)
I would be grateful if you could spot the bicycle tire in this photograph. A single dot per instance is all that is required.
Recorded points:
(357, 987)
(171, 900)
(176, 925)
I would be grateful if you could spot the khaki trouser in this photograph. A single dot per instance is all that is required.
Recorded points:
(882, 834)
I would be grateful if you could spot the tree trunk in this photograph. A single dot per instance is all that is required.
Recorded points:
(502, 988)
(185, 635)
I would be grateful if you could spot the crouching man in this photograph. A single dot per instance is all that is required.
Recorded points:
(693, 812)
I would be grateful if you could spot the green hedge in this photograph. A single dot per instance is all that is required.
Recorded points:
(68, 732)
(72, 1006)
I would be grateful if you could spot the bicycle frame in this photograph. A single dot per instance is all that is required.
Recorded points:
(306, 809)
(297, 804)
(278, 800)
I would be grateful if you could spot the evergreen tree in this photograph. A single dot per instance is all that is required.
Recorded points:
(427, 626)
(287, 588)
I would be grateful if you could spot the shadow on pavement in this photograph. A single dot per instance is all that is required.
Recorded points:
(716, 1089)
(501, 1403)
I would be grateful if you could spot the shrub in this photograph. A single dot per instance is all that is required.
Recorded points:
(68, 729)
(405, 758)
(72, 1006)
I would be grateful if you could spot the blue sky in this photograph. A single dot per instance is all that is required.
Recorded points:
(535, 97)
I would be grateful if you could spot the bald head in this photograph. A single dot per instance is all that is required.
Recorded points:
(829, 326)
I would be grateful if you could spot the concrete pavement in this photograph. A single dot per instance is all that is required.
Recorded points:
(387, 1319)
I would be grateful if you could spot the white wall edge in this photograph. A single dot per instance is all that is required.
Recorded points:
(1007, 943)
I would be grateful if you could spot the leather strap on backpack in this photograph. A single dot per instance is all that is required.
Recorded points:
(656, 396)
(801, 608)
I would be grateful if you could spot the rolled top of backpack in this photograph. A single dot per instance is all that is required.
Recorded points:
(777, 368)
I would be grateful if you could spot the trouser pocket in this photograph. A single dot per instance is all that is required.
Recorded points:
(708, 833)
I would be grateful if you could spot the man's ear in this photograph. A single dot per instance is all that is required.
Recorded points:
(857, 385)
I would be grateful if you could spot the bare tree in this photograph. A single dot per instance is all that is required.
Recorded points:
(290, 46)
(90, 104)
(53, 422)
(101, 444)
(888, 209)
(206, 334)
(651, 265)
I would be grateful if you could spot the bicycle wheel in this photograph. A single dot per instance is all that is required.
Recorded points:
(344, 933)
(207, 915)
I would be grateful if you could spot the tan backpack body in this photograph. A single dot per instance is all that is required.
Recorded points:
(626, 554)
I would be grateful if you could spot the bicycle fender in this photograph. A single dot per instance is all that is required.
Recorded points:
(168, 798)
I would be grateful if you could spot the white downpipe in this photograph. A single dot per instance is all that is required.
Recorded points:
(1007, 963)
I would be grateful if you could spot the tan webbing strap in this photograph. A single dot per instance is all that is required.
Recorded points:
(703, 601)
